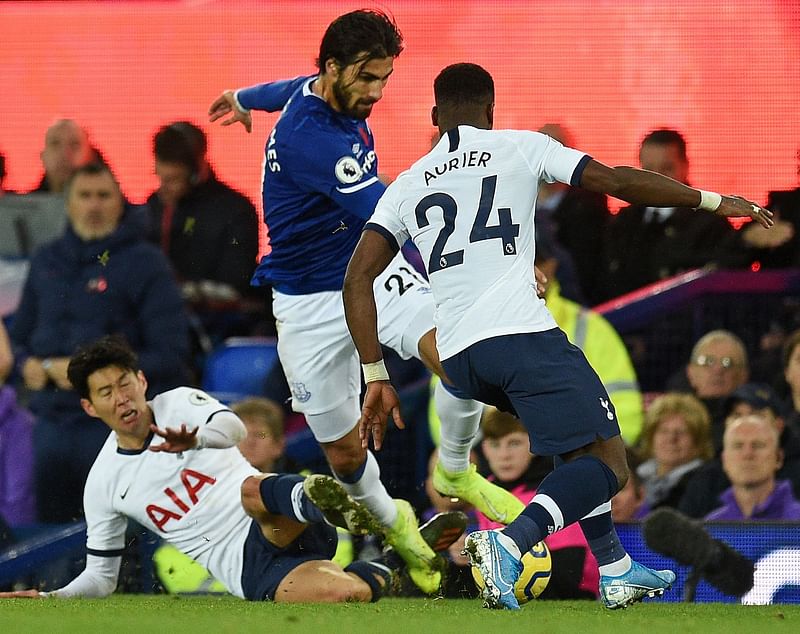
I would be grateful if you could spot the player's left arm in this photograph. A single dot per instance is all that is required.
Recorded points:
(642, 187)
(371, 256)
(269, 97)
(214, 426)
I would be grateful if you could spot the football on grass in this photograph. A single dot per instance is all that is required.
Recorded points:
(536, 568)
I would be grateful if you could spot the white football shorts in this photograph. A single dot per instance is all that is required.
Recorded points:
(315, 348)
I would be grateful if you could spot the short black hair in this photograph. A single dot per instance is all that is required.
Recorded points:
(360, 36)
(666, 136)
(93, 168)
(463, 83)
(181, 142)
(108, 351)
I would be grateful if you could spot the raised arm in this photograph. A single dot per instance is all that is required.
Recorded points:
(373, 253)
(269, 97)
(649, 188)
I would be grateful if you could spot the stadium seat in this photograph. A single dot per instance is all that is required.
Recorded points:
(238, 367)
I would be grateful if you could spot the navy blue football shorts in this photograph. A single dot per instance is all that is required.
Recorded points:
(545, 381)
(266, 565)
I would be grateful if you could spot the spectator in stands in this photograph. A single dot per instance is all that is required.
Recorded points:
(3, 190)
(66, 147)
(264, 445)
(718, 364)
(208, 230)
(648, 244)
(507, 449)
(99, 278)
(705, 486)
(751, 456)
(592, 333)
(628, 504)
(791, 374)
(675, 442)
(577, 219)
(17, 497)
(780, 246)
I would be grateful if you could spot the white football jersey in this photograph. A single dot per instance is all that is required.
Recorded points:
(191, 499)
(469, 207)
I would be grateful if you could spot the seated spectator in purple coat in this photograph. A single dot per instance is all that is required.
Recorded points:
(17, 498)
(751, 456)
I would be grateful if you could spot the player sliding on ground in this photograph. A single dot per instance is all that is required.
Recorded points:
(259, 534)
(468, 206)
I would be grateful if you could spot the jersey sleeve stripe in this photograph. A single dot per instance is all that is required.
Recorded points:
(106, 553)
(385, 233)
(455, 138)
(575, 181)
(219, 411)
(357, 186)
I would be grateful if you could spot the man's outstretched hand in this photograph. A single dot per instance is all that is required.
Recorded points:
(175, 440)
(21, 594)
(738, 207)
(226, 104)
(379, 401)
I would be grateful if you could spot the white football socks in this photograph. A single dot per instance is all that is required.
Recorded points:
(460, 421)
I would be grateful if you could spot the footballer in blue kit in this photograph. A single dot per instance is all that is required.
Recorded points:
(314, 220)
(320, 186)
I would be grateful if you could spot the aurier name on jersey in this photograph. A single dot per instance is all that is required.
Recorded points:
(473, 158)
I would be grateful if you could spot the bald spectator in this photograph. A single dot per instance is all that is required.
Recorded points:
(66, 147)
(704, 488)
(751, 456)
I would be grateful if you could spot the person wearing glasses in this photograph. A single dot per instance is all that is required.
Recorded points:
(717, 366)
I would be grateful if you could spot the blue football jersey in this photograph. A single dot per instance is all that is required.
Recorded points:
(320, 186)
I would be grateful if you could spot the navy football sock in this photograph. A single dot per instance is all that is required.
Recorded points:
(602, 538)
(566, 495)
(284, 495)
(366, 570)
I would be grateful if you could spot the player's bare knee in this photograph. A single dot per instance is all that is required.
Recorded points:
(355, 590)
(345, 459)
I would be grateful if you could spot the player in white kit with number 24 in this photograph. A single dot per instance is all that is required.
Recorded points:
(469, 206)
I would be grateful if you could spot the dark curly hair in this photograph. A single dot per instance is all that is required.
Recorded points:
(358, 37)
(111, 350)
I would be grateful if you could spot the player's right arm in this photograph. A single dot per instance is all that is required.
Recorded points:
(269, 97)
(105, 542)
(98, 580)
(375, 249)
(641, 187)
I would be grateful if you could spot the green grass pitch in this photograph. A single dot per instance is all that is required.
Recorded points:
(197, 615)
